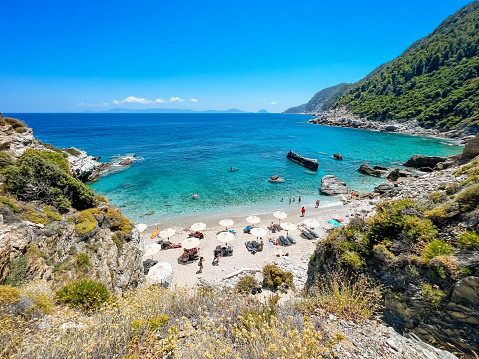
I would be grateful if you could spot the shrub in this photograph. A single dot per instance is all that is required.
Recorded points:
(5, 159)
(468, 197)
(383, 254)
(445, 265)
(38, 176)
(51, 213)
(352, 260)
(99, 198)
(246, 284)
(55, 157)
(29, 213)
(468, 240)
(432, 294)
(18, 271)
(85, 222)
(83, 261)
(419, 229)
(273, 277)
(9, 294)
(466, 272)
(118, 222)
(437, 214)
(437, 248)
(51, 147)
(65, 265)
(72, 151)
(85, 295)
(14, 123)
(41, 295)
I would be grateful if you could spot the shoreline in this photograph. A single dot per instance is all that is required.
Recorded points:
(186, 274)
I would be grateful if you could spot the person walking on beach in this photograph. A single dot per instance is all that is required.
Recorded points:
(302, 212)
(317, 203)
(200, 264)
(299, 199)
(216, 259)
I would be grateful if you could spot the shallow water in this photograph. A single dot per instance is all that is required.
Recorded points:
(185, 154)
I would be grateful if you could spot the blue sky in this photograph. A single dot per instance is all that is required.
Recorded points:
(65, 56)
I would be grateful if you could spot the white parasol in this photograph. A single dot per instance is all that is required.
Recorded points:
(311, 223)
(198, 226)
(258, 232)
(152, 249)
(227, 222)
(253, 219)
(159, 273)
(190, 243)
(141, 227)
(225, 236)
(280, 215)
(166, 233)
(288, 226)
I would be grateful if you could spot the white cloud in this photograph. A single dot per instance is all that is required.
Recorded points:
(273, 103)
(133, 99)
(174, 99)
(194, 100)
(160, 100)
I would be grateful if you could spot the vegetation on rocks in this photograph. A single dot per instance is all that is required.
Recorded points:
(246, 284)
(85, 295)
(275, 278)
(435, 81)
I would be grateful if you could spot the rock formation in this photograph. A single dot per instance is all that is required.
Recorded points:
(420, 161)
(337, 156)
(471, 149)
(312, 164)
(365, 169)
(332, 186)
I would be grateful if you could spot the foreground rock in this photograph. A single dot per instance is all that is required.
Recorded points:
(312, 164)
(471, 149)
(332, 186)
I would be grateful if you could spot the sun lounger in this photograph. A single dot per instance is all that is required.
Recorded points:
(284, 241)
(227, 251)
(256, 246)
(278, 227)
(250, 247)
(291, 239)
(307, 235)
(313, 232)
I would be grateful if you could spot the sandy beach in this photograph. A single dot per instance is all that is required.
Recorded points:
(296, 260)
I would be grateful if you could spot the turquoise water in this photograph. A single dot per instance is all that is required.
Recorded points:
(184, 154)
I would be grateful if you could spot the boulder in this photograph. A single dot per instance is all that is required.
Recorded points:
(420, 161)
(312, 164)
(337, 156)
(471, 149)
(332, 185)
(276, 178)
(380, 168)
(466, 291)
(85, 167)
(389, 128)
(365, 169)
(384, 187)
(126, 162)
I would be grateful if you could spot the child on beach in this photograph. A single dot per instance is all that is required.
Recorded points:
(302, 212)
(317, 204)
(200, 264)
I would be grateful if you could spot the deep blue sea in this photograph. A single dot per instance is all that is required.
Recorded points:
(183, 154)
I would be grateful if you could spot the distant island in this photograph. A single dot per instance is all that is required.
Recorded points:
(168, 110)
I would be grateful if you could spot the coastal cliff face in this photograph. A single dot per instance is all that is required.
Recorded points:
(52, 226)
(421, 246)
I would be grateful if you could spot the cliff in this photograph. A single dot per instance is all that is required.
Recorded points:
(53, 227)
(420, 247)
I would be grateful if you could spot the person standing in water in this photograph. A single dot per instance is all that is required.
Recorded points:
(299, 199)
(317, 203)
(302, 212)
(290, 201)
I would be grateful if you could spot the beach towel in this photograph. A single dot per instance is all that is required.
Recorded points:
(333, 222)
(270, 244)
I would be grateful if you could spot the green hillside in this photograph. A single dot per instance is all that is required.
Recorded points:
(435, 81)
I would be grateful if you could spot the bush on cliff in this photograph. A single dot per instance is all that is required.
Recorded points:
(85, 221)
(275, 278)
(39, 176)
(85, 295)
(5, 160)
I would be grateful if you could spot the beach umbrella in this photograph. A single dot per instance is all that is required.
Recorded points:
(198, 226)
(311, 223)
(160, 273)
(258, 232)
(152, 249)
(190, 243)
(227, 222)
(253, 219)
(225, 236)
(334, 222)
(288, 226)
(166, 233)
(280, 215)
(141, 227)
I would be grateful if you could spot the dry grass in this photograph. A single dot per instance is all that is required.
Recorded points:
(153, 322)
(345, 299)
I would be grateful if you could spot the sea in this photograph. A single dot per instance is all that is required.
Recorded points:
(178, 155)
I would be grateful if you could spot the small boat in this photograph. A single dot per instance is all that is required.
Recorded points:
(155, 233)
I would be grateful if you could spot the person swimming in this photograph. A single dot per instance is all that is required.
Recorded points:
(194, 195)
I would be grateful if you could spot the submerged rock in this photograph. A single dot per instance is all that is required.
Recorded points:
(312, 164)
(276, 178)
(332, 185)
